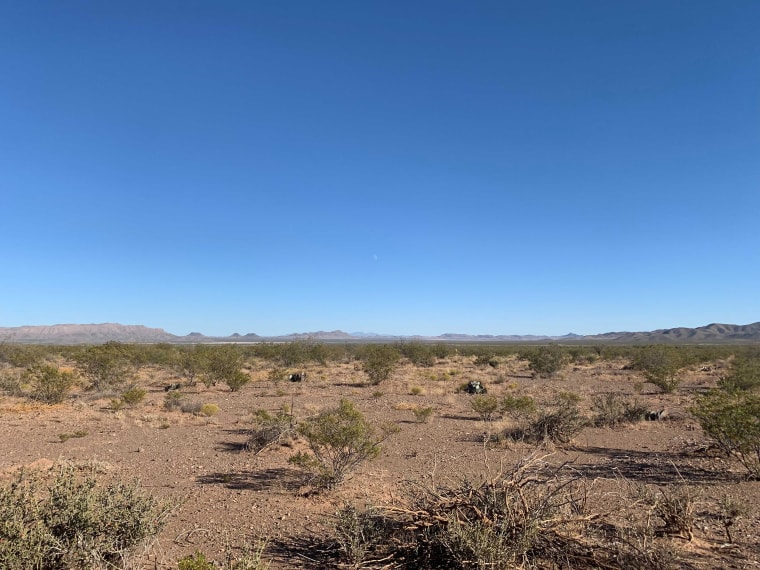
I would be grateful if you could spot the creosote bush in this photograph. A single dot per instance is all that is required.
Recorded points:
(558, 423)
(271, 428)
(73, 521)
(545, 361)
(107, 366)
(612, 410)
(732, 420)
(485, 406)
(48, 383)
(340, 439)
(133, 396)
(744, 375)
(380, 362)
(660, 365)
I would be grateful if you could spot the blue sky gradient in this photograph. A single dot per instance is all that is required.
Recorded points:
(395, 167)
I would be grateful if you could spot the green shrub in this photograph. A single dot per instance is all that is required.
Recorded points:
(744, 375)
(133, 396)
(191, 363)
(559, 423)
(422, 414)
(208, 410)
(418, 353)
(380, 362)
(340, 439)
(545, 361)
(660, 365)
(485, 406)
(107, 366)
(611, 410)
(48, 383)
(518, 407)
(224, 364)
(21, 356)
(277, 375)
(487, 359)
(196, 561)
(271, 428)
(73, 522)
(173, 400)
(733, 422)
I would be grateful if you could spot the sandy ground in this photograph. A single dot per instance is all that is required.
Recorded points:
(227, 496)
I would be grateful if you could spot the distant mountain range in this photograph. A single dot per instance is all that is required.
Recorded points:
(99, 333)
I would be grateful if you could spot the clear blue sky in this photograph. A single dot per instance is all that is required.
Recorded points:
(387, 166)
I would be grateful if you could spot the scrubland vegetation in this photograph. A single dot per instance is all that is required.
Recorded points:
(325, 413)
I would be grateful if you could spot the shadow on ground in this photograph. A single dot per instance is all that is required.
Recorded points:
(265, 480)
(646, 467)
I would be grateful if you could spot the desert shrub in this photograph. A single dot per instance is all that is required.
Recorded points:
(545, 361)
(487, 359)
(660, 365)
(64, 437)
(270, 428)
(485, 406)
(611, 410)
(380, 362)
(73, 522)
(340, 439)
(107, 366)
(208, 410)
(277, 375)
(730, 512)
(173, 400)
(422, 414)
(196, 561)
(224, 364)
(358, 533)
(675, 505)
(518, 407)
(558, 423)
(48, 383)
(418, 353)
(743, 375)
(22, 356)
(133, 396)
(416, 391)
(190, 363)
(579, 355)
(441, 350)
(732, 420)
(511, 520)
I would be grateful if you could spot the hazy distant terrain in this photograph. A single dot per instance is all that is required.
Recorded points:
(99, 333)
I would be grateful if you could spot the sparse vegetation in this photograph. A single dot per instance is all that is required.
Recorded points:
(48, 383)
(422, 414)
(107, 366)
(340, 439)
(380, 362)
(732, 420)
(73, 522)
(612, 410)
(545, 361)
(133, 396)
(557, 423)
(271, 428)
(660, 365)
(485, 406)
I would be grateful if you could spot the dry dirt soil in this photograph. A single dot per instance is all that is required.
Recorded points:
(227, 496)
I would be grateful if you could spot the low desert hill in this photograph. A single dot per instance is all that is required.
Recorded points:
(100, 333)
